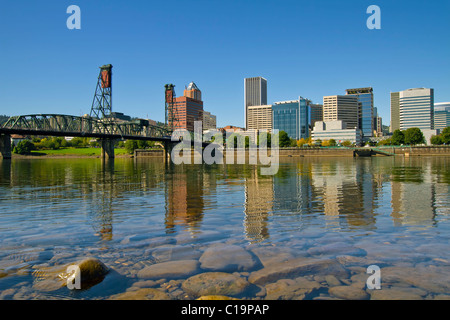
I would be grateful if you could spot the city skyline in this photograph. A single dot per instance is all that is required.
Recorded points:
(57, 66)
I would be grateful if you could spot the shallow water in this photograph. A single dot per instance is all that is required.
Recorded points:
(133, 214)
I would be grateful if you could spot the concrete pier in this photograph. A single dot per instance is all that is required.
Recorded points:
(5, 146)
(107, 148)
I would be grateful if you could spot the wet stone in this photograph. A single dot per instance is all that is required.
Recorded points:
(291, 289)
(295, 268)
(228, 258)
(348, 292)
(215, 283)
(142, 294)
(170, 270)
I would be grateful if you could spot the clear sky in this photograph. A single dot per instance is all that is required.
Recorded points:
(303, 48)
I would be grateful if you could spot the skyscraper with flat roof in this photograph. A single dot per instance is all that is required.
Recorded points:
(259, 117)
(292, 117)
(395, 111)
(365, 100)
(255, 94)
(417, 108)
(441, 115)
(343, 108)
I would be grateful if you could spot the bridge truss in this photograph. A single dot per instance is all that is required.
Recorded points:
(67, 125)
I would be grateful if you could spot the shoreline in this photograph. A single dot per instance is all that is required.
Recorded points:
(284, 152)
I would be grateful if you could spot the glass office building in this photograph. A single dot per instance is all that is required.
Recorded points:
(365, 100)
(292, 117)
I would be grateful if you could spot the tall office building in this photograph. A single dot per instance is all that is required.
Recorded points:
(316, 114)
(365, 99)
(343, 108)
(259, 117)
(255, 94)
(292, 117)
(395, 111)
(441, 115)
(188, 108)
(417, 108)
(209, 121)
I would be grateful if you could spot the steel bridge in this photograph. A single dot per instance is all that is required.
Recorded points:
(99, 124)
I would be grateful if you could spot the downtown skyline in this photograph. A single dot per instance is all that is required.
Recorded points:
(302, 49)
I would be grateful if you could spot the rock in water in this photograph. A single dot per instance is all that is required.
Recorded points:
(215, 284)
(228, 258)
(92, 272)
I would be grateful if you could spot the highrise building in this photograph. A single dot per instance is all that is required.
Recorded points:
(259, 117)
(292, 117)
(316, 113)
(188, 108)
(417, 108)
(395, 111)
(255, 94)
(209, 121)
(343, 108)
(441, 115)
(365, 100)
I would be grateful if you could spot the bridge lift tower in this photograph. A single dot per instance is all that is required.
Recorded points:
(170, 106)
(102, 104)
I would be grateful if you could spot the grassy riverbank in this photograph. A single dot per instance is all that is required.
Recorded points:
(75, 152)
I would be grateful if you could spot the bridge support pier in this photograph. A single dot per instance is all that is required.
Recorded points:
(107, 148)
(5, 146)
(168, 146)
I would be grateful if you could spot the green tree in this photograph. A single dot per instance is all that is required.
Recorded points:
(332, 143)
(24, 147)
(131, 145)
(436, 140)
(414, 136)
(284, 141)
(398, 137)
(445, 135)
(347, 143)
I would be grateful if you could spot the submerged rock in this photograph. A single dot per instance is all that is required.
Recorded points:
(295, 268)
(215, 283)
(228, 258)
(170, 270)
(291, 289)
(142, 294)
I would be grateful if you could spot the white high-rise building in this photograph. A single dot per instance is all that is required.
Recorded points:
(416, 108)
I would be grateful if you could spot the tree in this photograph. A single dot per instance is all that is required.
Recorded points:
(414, 136)
(347, 143)
(301, 142)
(24, 147)
(131, 145)
(436, 140)
(332, 143)
(284, 140)
(398, 137)
(445, 135)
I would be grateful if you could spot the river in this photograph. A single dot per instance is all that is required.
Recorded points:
(308, 232)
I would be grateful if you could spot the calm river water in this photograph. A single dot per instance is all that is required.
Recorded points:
(309, 232)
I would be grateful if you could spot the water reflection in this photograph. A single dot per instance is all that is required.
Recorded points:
(340, 194)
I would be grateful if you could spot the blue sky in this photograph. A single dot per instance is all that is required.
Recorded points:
(303, 48)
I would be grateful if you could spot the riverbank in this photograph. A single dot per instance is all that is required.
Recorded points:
(332, 152)
(283, 152)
